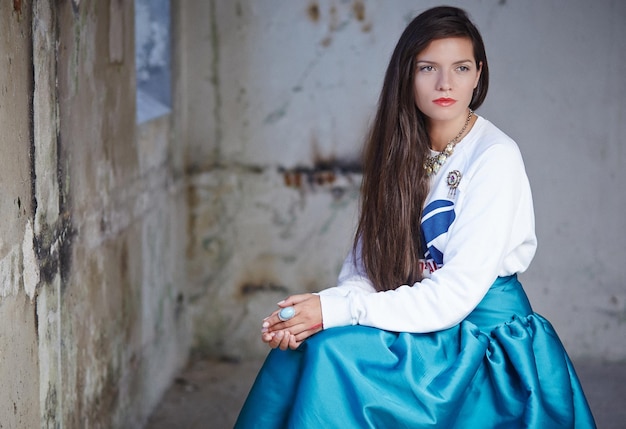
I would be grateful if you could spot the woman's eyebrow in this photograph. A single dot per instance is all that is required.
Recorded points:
(456, 62)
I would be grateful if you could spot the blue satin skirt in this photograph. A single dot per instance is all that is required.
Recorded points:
(502, 367)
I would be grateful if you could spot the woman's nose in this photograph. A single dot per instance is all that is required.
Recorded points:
(443, 82)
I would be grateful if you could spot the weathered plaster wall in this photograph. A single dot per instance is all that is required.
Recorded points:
(122, 297)
(558, 89)
(19, 397)
(94, 316)
(275, 88)
(271, 206)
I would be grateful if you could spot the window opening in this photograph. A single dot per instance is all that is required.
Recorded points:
(152, 59)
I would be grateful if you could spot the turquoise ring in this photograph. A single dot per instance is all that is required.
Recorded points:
(286, 313)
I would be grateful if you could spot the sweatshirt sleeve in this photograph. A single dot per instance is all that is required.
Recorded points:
(352, 281)
(496, 200)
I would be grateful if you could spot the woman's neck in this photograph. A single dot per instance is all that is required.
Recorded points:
(441, 132)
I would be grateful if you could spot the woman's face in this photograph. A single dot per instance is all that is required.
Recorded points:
(445, 77)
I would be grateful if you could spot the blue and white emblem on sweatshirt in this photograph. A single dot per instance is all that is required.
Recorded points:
(436, 220)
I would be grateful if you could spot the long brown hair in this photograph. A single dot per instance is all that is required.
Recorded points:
(395, 185)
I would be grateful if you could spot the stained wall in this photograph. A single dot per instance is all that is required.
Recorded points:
(19, 365)
(279, 97)
(122, 292)
(93, 306)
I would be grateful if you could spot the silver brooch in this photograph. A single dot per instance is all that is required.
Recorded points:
(453, 180)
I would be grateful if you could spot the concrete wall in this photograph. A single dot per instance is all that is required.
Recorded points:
(19, 399)
(93, 307)
(123, 300)
(272, 170)
(278, 98)
(558, 89)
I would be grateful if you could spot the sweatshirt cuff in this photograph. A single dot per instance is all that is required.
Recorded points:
(336, 311)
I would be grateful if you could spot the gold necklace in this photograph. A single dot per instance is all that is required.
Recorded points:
(433, 163)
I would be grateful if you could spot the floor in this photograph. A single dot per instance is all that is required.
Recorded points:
(209, 394)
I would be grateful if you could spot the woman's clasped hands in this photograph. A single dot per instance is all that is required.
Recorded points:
(306, 321)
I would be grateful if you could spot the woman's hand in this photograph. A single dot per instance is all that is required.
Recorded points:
(291, 333)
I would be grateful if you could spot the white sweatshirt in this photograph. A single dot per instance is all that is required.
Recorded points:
(485, 230)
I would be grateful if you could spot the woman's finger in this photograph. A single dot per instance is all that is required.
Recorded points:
(266, 337)
(293, 343)
(276, 339)
(284, 343)
(311, 330)
(294, 299)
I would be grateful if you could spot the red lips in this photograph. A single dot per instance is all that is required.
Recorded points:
(445, 102)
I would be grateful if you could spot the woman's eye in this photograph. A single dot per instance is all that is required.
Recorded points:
(463, 68)
(427, 68)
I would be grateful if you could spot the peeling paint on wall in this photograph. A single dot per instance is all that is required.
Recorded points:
(31, 267)
(333, 176)
(10, 270)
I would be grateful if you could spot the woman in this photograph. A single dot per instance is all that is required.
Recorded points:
(428, 326)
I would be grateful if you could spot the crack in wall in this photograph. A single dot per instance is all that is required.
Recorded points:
(215, 80)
